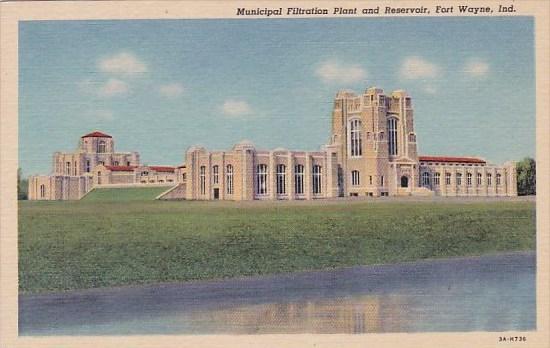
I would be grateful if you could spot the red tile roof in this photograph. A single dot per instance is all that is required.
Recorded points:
(451, 159)
(96, 134)
(163, 169)
(121, 168)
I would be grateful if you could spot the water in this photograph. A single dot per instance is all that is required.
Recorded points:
(490, 293)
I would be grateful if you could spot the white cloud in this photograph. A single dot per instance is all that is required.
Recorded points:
(112, 88)
(418, 68)
(234, 108)
(122, 63)
(333, 71)
(171, 90)
(476, 68)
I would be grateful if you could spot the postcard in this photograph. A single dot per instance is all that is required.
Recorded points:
(274, 174)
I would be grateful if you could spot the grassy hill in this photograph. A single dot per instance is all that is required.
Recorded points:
(100, 243)
(124, 194)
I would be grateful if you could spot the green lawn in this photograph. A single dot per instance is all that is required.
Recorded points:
(124, 194)
(86, 244)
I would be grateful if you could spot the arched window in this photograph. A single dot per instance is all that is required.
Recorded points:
(499, 179)
(203, 179)
(229, 179)
(42, 191)
(489, 179)
(299, 179)
(355, 181)
(447, 178)
(101, 146)
(458, 179)
(215, 174)
(437, 178)
(261, 179)
(356, 147)
(479, 176)
(392, 136)
(317, 179)
(281, 179)
(426, 179)
(469, 179)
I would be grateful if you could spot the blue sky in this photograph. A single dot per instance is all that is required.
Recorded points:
(160, 86)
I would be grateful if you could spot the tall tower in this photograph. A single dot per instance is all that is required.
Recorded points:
(97, 142)
(374, 134)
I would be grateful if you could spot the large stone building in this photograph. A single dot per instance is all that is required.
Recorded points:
(372, 151)
(95, 164)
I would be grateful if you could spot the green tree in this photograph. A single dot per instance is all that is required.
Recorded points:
(22, 186)
(527, 178)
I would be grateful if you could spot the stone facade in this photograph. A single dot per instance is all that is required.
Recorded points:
(372, 151)
(95, 164)
(467, 177)
(245, 173)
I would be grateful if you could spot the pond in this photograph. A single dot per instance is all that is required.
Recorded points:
(488, 293)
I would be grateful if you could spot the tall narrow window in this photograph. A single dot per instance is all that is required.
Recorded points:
(370, 179)
(426, 179)
(261, 179)
(489, 179)
(68, 168)
(88, 166)
(382, 180)
(215, 174)
(203, 180)
(355, 138)
(355, 178)
(74, 169)
(447, 178)
(229, 179)
(478, 179)
(42, 191)
(99, 178)
(101, 146)
(281, 179)
(317, 179)
(437, 179)
(392, 136)
(499, 178)
(469, 179)
(299, 179)
(458, 179)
